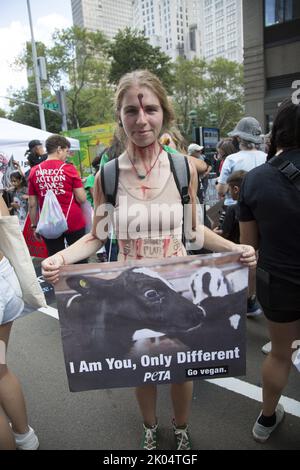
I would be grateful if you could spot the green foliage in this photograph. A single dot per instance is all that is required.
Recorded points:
(86, 63)
(130, 50)
(27, 114)
(77, 59)
(188, 86)
(224, 95)
(214, 90)
(2, 113)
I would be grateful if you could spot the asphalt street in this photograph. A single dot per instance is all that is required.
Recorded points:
(109, 419)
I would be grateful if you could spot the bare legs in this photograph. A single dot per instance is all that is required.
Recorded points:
(181, 395)
(146, 397)
(277, 365)
(12, 404)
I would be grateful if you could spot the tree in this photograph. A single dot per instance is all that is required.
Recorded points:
(81, 56)
(130, 50)
(78, 60)
(2, 113)
(28, 114)
(187, 88)
(24, 112)
(223, 97)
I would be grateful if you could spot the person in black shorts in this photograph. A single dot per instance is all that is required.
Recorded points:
(270, 222)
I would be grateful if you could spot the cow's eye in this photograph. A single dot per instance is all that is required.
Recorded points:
(84, 284)
(151, 294)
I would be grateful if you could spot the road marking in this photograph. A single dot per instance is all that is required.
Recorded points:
(291, 406)
(246, 389)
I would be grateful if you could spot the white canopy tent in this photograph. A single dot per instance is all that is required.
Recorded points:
(14, 138)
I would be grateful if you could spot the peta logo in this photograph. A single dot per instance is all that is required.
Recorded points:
(296, 94)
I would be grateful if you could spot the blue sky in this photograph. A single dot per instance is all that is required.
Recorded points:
(14, 32)
(16, 10)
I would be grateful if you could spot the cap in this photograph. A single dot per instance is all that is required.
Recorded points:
(194, 148)
(33, 143)
(248, 129)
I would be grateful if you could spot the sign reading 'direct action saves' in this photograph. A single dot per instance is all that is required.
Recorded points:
(150, 322)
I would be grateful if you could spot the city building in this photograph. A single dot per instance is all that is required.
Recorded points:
(271, 55)
(165, 23)
(187, 28)
(221, 27)
(104, 15)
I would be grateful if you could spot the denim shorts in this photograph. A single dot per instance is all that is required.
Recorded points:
(11, 303)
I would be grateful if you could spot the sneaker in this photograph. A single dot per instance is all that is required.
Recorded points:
(27, 441)
(149, 437)
(266, 348)
(262, 433)
(182, 437)
(253, 307)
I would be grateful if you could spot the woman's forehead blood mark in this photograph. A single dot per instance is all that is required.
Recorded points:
(140, 98)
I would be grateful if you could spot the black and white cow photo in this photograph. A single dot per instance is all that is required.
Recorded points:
(154, 311)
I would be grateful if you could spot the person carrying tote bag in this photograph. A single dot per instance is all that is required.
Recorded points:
(18, 285)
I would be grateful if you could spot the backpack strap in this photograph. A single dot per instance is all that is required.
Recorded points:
(109, 180)
(287, 168)
(181, 172)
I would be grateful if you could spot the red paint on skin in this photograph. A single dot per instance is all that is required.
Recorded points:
(140, 98)
(143, 151)
(144, 189)
(166, 244)
(138, 248)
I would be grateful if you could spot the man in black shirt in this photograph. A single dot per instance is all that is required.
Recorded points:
(270, 222)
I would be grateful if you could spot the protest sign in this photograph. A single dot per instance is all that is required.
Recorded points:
(154, 321)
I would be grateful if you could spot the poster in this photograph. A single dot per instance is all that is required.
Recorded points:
(93, 140)
(154, 321)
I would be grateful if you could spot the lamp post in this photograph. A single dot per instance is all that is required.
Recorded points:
(36, 73)
(193, 118)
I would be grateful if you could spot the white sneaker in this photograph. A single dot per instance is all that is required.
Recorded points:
(266, 348)
(262, 433)
(27, 441)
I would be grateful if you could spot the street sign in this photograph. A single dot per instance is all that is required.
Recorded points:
(53, 106)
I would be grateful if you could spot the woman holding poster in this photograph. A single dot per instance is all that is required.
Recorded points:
(146, 184)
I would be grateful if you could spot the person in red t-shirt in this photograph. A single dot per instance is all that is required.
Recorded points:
(64, 180)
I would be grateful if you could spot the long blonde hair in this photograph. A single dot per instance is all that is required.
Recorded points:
(151, 81)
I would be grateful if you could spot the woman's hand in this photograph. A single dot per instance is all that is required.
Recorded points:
(248, 256)
(50, 268)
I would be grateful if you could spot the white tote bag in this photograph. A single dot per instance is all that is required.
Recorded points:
(14, 248)
(52, 221)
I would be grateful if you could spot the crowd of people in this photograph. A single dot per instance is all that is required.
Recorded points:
(250, 185)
